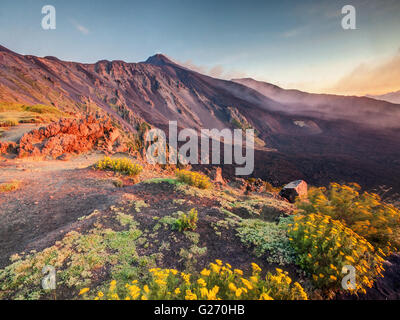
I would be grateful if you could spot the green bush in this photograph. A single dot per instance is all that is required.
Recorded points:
(186, 221)
(268, 238)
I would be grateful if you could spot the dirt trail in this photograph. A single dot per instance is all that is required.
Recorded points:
(53, 195)
(15, 133)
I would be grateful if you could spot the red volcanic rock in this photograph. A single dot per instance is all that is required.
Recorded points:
(6, 147)
(70, 136)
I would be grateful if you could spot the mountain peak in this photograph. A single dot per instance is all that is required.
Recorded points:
(159, 60)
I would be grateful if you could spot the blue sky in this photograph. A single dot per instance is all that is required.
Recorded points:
(295, 43)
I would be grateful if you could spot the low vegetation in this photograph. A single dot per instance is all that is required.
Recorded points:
(9, 186)
(77, 257)
(186, 221)
(268, 239)
(365, 213)
(120, 165)
(324, 246)
(8, 122)
(116, 256)
(218, 282)
(196, 179)
(11, 114)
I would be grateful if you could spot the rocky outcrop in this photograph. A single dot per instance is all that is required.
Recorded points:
(255, 185)
(71, 136)
(7, 147)
(293, 190)
(215, 174)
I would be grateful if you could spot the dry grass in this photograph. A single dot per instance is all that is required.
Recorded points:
(8, 122)
(9, 186)
(12, 114)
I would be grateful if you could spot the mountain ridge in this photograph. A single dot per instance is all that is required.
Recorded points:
(318, 142)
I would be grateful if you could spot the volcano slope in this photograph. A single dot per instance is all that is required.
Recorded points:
(320, 138)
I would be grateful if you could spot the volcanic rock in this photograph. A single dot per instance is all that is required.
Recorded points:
(293, 190)
(70, 136)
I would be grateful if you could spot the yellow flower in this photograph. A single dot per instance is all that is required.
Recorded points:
(146, 288)
(232, 287)
(215, 268)
(247, 283)
(115, 296)
(205, 272)
(255, 267)
(83, 291)
(204, 292)
(201, 282)
(265, 296)
(219, 262)
(238, 292)
(100, 294)
(238, 271)
(177, 291)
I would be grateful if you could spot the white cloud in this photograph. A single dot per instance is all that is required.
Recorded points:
(82, 29)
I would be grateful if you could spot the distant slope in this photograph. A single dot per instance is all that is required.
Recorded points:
(363, 110)
(393, 97)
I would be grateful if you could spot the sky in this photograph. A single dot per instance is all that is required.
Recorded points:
(291, 43)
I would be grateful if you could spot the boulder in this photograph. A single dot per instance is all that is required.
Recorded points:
(293, 190)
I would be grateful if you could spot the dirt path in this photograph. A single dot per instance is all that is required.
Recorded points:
(53, 195)
(15, 133)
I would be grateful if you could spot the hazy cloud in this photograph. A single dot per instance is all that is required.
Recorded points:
(82, 29)
(217, 71)
(374, 78)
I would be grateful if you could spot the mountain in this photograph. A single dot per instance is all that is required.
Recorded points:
(320, 138)
(393, 97)
(361, 110)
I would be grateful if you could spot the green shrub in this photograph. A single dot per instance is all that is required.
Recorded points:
(193, 178)
(268, 238)
(366, 214)
(324, 246)
(186, 221)
(124, 166)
